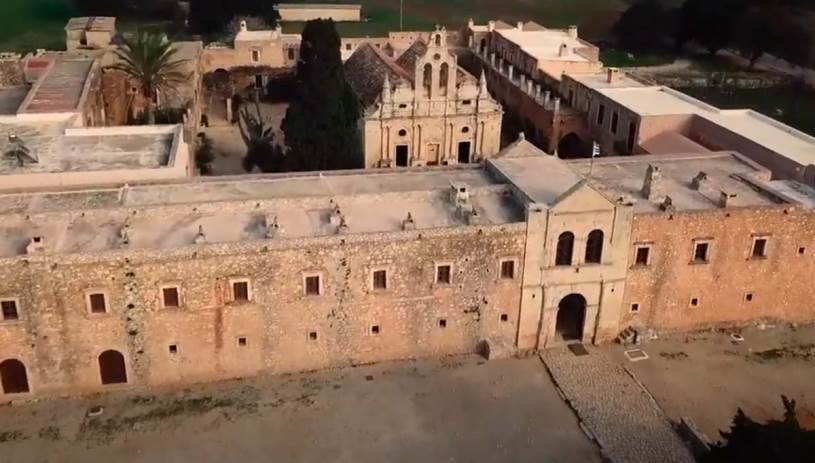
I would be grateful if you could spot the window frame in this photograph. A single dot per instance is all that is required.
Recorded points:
(373, 279)
(17, 310)
(601, 115)
(255, 55)
(232, 282)
(764, 248)
(320, 288)
(615, 122)
(89, 304)
(436, 268)
(163, 299)
(708, 242)
(507, 260)
(642, 246)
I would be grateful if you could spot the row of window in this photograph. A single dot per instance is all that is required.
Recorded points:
(695, 302)
(615, 121)
(241, 290)
(702, 251)
(564, 254)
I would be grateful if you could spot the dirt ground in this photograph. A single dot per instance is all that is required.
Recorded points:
(453, 409)
(708, 376)
(228, 144)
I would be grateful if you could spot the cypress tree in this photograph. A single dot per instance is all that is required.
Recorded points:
(321, 122)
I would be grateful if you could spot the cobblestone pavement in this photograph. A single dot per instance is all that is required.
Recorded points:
(622, 416)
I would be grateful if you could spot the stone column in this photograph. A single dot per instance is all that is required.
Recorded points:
(510, 72)
(229, 110)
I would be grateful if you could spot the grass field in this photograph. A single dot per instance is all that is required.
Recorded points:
(26, 25)
(791, 104)
(594, 17)
(29, 24)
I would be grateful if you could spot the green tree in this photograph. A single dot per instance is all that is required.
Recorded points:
(147, 60)
(321, 124)
(712, 24)
(211, 17)
(749, 441)
(645, 26)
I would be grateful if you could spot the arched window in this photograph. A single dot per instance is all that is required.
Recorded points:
(483, 46)
(594, 247)
(565, 246)
(438, 40)
(428, 76)
(13, 377)
(444, 75)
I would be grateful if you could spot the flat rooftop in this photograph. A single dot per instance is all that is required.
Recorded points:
(544, 178)
(169, 215)
(59, 148)
(623, 176)
(758, 128)
(599, 80)
(544, 45)
(11, 98)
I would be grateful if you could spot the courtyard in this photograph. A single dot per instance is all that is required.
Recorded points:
(452, 409)
(708, 376)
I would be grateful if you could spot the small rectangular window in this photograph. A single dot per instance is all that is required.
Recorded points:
(240, 291)
(601, 114)
(170, 297)
(466, 102)
(748, 297)
(442, 323)
(694, 302)
(504, 317)
(508, 269)
(347, 46)
(255, 56)
(291, 54)
(443, 274)
(380, 279)
(313, 285)
(9, 309)
(242, 342)
(615, 118)
(173, 349)
(635, 308)
(701, 252)
(97, 303)
(643, 255)
(312, 335)
(802, 250)
(759, 248)
(375, 330)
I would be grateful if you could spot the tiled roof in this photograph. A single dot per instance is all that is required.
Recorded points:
(365, 71)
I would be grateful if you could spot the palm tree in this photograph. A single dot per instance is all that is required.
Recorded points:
(148, 60)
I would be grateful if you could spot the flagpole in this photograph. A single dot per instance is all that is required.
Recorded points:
(595, 151)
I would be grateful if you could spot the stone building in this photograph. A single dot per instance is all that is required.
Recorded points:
(95, 32)
(422, 108)
(301, 12)
(169, 284)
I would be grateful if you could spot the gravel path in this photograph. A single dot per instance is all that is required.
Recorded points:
(622, 416)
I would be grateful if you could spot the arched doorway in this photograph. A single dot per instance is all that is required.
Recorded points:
(112, 367)
(13, 376)
(571, 316)
(572, 146)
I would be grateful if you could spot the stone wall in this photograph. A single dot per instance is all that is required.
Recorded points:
(59, 340)
(11, 70)
(778, 284)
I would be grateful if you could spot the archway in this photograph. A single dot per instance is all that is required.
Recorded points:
(571, 316)
(571, 146)
(13, 376)
(112, 367)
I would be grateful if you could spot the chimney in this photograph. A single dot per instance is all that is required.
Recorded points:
(342, 228)
(272, 228)
(699, 181)
(563, 50)
(470, 23)
(652, 185)
(573, 32)
(612, 74)
(36, 245)
(725, 198)
(336, 216)
(520, 25)
(200, 237)
(491, 26)
(243, 26)
(409, 223)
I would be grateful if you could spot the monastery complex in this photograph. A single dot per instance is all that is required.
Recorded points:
(120, 267)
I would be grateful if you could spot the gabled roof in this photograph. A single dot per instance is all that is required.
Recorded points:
(409, 58)
(365, 71)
